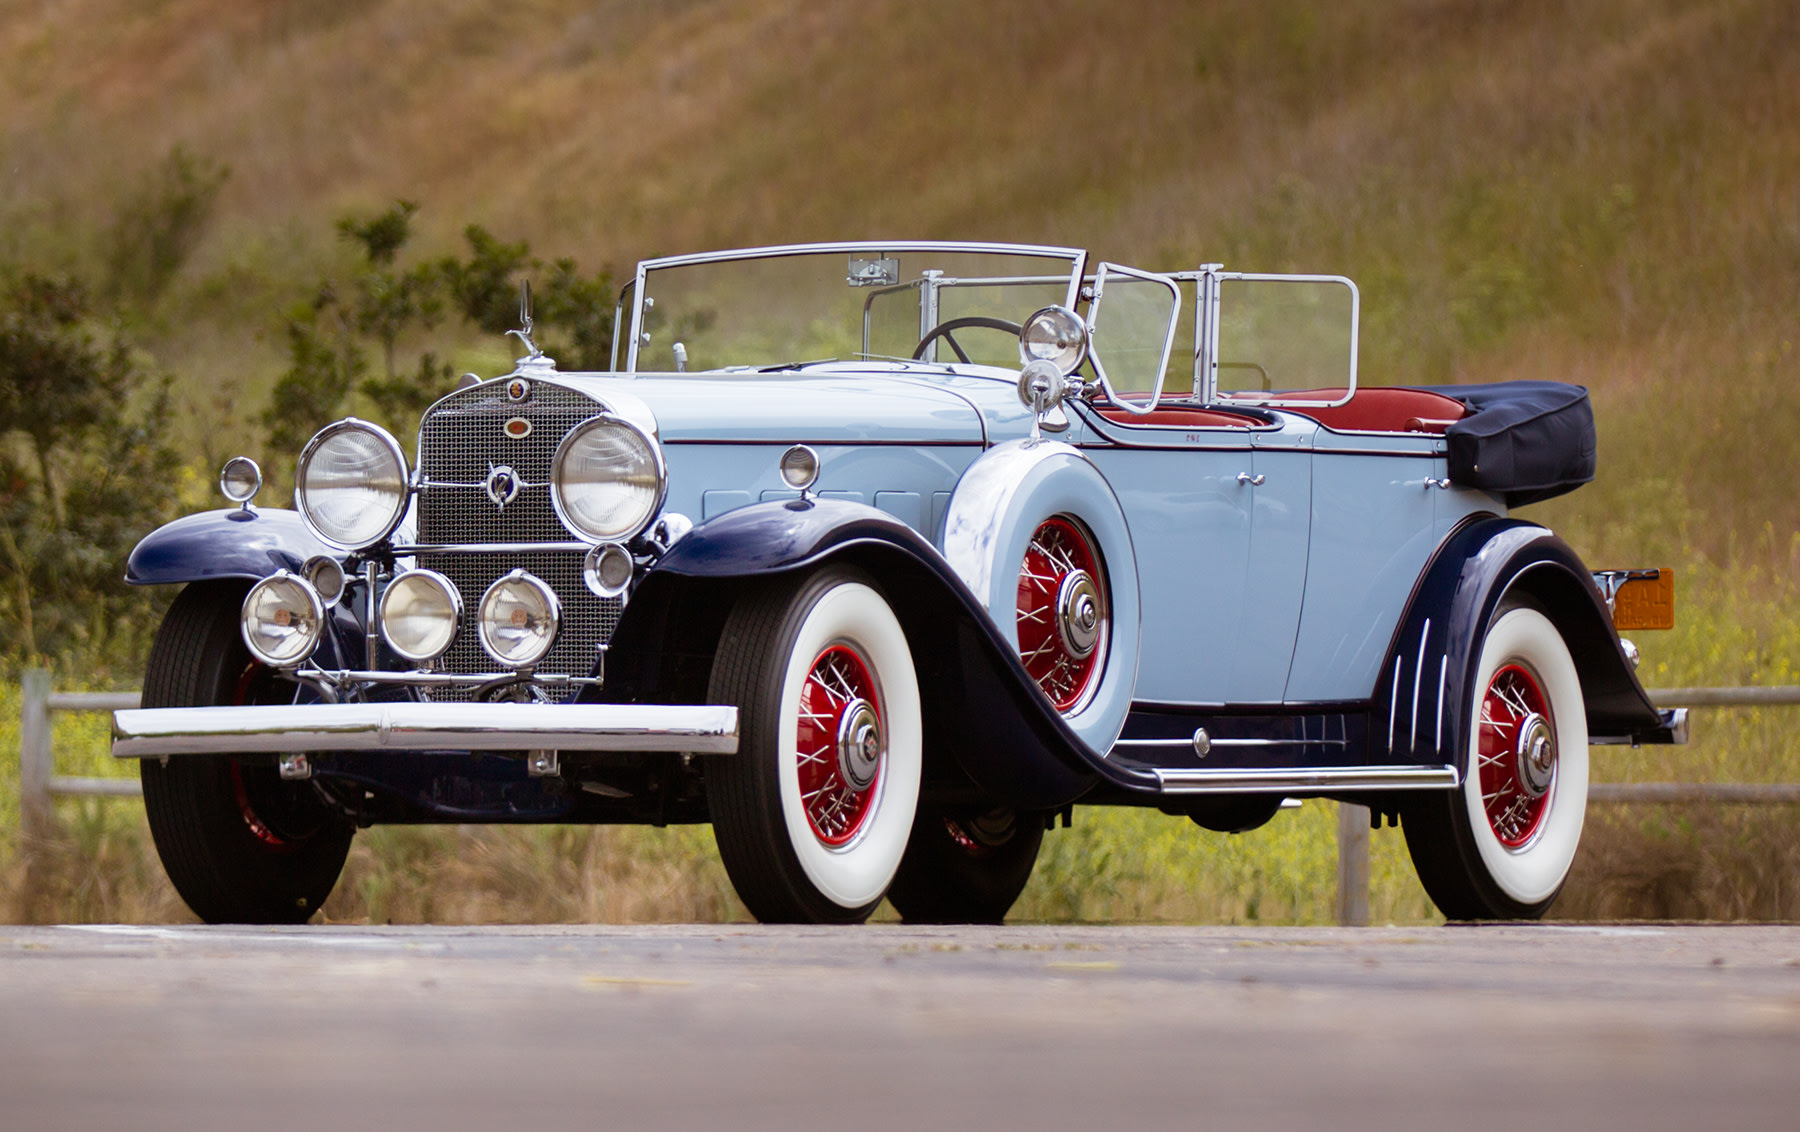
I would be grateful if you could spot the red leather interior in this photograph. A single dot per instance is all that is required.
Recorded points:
(1382, 410)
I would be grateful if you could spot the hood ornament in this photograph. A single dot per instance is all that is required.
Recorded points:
(534, 358)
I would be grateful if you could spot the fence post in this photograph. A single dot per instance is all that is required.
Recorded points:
(34, 752)
(1353, 865)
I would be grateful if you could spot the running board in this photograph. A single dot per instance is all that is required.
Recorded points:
(1234, 780)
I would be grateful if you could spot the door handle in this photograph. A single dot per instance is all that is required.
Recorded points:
(1253, 481)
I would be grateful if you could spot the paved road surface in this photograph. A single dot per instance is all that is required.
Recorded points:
(892, 1027)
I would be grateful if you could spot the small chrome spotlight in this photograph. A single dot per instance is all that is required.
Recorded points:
(800, 468)
(239, 480)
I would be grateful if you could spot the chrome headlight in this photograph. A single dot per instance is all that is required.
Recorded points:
(282, 620)
(352, 484)
(608, 479)
(1057, 335)
(518, 618)
(420, 612)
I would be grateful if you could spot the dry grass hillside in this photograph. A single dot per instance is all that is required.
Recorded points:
(1604, 191)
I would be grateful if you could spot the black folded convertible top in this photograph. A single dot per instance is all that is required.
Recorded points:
(1522, 440)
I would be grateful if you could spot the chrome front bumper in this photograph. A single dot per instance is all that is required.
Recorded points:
(154, 732)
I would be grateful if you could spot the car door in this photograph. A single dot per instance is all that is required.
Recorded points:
(1281, 493)
(1189, 513)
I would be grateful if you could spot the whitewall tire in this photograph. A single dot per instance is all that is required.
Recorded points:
(1502, 845)
(813, 813)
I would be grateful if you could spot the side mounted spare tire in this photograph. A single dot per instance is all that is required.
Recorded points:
(1037, 534)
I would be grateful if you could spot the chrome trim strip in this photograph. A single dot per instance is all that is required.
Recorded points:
(1394, 703)
(1189, 742)
(1437, 743)
(1418, 671)
(490, 548)
(425, 678)
(840, 442)
(1048, 251)
(1417, 453)
(289, 728)
(1233, 781)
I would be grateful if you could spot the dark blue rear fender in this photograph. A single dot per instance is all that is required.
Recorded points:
(983, 714)
(223, 544)
(1420, 708)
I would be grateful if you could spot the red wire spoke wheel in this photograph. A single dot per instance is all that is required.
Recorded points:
(1063, 616)
(813, 812)
(840, 743)
(1515, 754)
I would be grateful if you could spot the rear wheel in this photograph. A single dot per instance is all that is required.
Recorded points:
(812, 813)
(966, 868)
(1501, 846)
(240, 844)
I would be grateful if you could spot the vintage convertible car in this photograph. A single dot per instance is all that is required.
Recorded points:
(880, 557)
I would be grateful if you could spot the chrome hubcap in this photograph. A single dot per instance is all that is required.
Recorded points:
(1078, 614)
(859, 745)
(1536, 755)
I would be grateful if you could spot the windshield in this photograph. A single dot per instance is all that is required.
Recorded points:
(773, 307)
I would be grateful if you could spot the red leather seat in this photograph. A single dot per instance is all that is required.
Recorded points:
(1382, 410)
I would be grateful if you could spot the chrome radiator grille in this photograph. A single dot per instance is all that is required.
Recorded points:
(461, 440)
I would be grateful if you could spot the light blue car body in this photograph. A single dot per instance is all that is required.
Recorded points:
(1287, 592)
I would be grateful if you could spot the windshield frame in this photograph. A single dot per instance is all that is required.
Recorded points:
(1076, 258)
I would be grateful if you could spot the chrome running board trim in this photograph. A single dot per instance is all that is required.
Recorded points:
(410, 726)
(1231, 780)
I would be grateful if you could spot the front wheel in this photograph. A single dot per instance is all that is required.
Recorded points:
(812, 813)
(240, 844)
(1501, 846)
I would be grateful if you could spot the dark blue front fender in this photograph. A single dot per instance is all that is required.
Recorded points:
(770, 538)
(223, 544)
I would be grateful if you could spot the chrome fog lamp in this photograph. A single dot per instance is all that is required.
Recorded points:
(352, 484)
(282, 620)
(607, 570)
(419, 615)
(608, 479)
(1056, 335)
(518, 619)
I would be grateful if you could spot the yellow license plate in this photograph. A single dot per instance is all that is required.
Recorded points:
(1645, 600)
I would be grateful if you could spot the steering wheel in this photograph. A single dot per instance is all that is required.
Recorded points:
(944, 330)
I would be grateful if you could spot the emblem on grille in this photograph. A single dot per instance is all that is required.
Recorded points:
(518, 389)
(518, 428)
(503, 485)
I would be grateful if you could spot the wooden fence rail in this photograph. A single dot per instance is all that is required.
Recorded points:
(38, 780)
